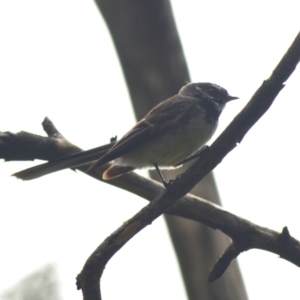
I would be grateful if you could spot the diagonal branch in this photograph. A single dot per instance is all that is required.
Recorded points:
(245, 235)
(209, 159)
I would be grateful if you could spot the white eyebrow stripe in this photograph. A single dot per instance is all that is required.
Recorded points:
(148, 123)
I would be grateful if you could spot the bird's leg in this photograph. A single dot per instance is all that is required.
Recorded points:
(195, 155)
(166, 184)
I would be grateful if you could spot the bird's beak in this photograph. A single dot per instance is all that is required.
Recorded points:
(229, 98)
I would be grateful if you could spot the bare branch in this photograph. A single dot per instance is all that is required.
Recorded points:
(28, 146)
(224, 261)
(209, 159)
(245, 234)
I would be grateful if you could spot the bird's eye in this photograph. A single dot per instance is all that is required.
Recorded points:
(212, 91)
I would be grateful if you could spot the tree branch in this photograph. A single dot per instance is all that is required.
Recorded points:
(210, 158)
(245, 235)
(28, 146)
(243, 232)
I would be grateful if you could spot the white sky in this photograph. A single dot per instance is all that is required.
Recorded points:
(50, 66)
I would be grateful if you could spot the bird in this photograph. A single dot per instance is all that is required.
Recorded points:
(170, 134)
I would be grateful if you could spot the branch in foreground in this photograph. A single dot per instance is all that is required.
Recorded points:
(28, 146)
(245, 234)
(261, 101)
(234, 133)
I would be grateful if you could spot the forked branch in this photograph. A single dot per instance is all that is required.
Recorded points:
(244, 234)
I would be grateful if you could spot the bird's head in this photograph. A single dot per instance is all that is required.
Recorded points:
(207, 90)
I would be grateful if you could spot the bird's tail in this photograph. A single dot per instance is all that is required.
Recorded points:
(71, 161)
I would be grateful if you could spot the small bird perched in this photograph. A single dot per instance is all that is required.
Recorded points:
(171, 132)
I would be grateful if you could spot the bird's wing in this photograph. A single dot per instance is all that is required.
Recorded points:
(161, 118)
(133, 139)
